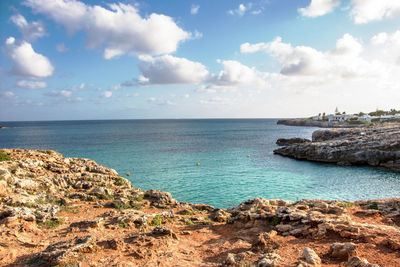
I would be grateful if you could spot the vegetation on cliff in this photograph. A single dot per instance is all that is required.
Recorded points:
(71, 211)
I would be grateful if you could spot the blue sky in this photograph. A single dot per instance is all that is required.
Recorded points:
(69, 59)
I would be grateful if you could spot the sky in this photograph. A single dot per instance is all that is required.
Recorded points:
(77, 60)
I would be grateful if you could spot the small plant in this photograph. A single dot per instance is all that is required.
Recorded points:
(346, 204)
(274, 221)
(122, 224)
(157, 221)
(188, 222)
(373, 206)
(136, 198)
(119, 181)
(52, 223)
(4, 156)
(187, 212)
(119, 205)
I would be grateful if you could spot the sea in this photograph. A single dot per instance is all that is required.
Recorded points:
(221, 162)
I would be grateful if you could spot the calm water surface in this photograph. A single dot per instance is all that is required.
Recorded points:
(162, 154)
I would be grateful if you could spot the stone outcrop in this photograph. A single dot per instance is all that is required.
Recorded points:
(321, 124)
(291, 141)
(69, 211)
(374, 146)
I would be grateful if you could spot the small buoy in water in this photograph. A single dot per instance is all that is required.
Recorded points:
(248, 155)
(128, 173)
(198, 164)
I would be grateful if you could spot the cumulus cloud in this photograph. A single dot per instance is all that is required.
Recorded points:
(31, 84)
(319, 8)
(194, 9)
(235, 74)
(30, 31)
(120, 28)
(240, 10)
(106, 94)
(343, 61)
(168, 69)
(365, 11)
(362, 11)
(26, 61)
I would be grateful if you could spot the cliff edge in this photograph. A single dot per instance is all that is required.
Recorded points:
(57, 211)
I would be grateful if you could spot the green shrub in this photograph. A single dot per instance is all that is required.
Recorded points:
(52, 223)
(4, 156)
(119, 205)
(119, 181)
(346, 204)
(188, 222)
(122, 224)
(157, 221)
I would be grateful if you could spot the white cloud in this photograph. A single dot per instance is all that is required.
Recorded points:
(120, 28)
(240, 10)
(194, 9)
(365, 11)
(168, 69)
(152, 99)
(26, 61)
(106, 94)
(62, 93)
(319, 8)
(31, 84)
(236, 74)
(343, 61)
(30, 31)
(62, 48)
(8, 95)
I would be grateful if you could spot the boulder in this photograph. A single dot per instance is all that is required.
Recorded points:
(343, 250)
(310, 257)
(269, 260)
(160, 199)
(61, 252)
(230, 259)
(359, 262)
(265, 243)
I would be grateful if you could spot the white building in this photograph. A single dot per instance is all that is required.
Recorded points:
(341, 117)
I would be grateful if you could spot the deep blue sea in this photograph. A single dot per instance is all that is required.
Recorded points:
(162, 154)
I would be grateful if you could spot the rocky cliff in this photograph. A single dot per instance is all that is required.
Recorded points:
(377, 145)
(321, 124)
(57, 211)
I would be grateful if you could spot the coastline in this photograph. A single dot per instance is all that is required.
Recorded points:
(322, 124)
(376, 146)
(73, 211)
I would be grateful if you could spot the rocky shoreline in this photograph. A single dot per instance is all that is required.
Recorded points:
(321, 124)
(74, 212)
(377, 145)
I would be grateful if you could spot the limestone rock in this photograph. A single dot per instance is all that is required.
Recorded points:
(343, 250)
(269, 260)
(264, 243)
(59, 252)
(230, 259)
(359, 262)
(311, 257)
(159, 198)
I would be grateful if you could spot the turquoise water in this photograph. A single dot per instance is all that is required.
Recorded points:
(162, 154)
